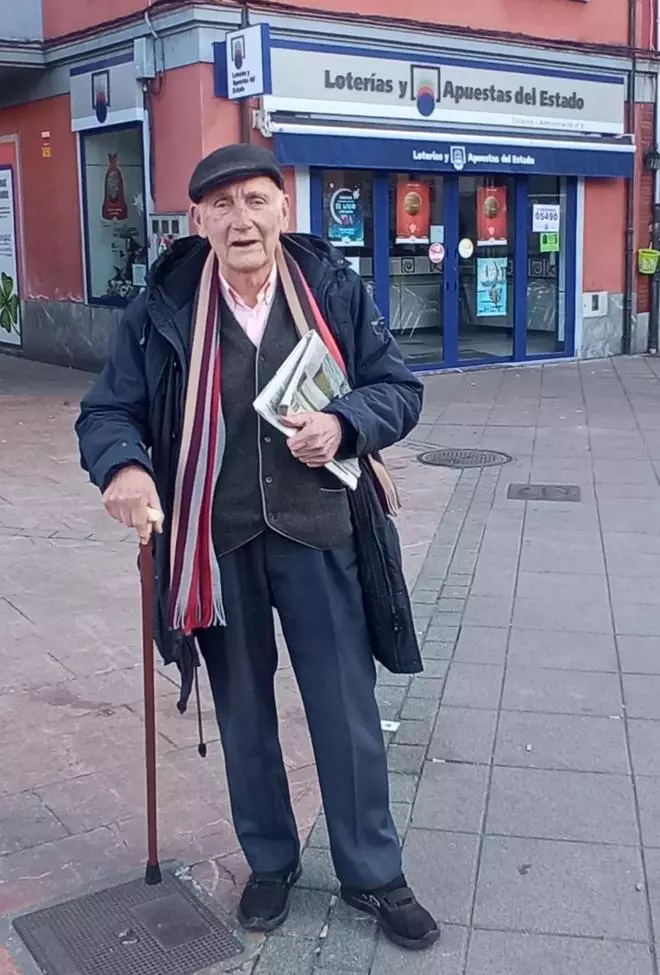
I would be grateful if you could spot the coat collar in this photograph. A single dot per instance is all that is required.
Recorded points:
(173, 279)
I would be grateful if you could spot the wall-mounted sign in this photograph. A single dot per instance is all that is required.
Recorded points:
(345, 215)
(546, 217)
(491, 286)
(246, 55)
(491, 216)
(437, 154)
(442, 89)
(105, 92)
(46, 146)
(413, 212)
(10, 309)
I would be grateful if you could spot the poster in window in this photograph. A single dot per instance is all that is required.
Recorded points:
(115, 228)
(413, 212)
(345, 216)
(491, 216)
(491, 286)
(114, 200)
(10, 309)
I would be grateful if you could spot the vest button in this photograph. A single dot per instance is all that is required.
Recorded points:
(268, 479)
(267, 440)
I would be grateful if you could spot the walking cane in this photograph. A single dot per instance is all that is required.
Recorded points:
(152, 874)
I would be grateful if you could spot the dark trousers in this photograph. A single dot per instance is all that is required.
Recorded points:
(318, 599)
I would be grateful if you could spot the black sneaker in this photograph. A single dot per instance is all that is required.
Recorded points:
(265, 901)
(402, 919)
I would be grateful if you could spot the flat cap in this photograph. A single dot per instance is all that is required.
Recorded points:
(230, 164)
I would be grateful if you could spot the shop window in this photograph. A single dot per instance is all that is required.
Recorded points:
(115, 227)
(546, 265)
(348, 218)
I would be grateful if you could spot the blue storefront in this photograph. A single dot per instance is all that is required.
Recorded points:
(454, 187)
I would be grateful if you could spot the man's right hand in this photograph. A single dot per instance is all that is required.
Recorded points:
(131, 498)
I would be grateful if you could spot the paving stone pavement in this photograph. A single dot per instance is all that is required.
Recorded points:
(525, 770)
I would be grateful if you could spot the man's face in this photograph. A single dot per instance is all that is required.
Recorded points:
(243, 222)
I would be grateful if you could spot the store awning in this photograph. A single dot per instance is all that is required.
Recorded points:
(301, 143)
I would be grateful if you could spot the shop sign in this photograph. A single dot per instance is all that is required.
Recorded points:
(360, 82)
(491, 286)
(345, 216)
(491, 216)
(10, 309)
(436, 155)
(105, 92)
(413, 212)
(247, 61)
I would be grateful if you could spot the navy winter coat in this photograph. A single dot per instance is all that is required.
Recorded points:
(134, 412)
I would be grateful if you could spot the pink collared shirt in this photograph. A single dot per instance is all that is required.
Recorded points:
(252, 320)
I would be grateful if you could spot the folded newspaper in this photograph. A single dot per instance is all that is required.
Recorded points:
(306, 382)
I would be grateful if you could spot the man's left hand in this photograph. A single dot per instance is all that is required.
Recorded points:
(318, 437)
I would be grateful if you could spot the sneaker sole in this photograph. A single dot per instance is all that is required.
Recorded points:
(261, 925)
(410, 944)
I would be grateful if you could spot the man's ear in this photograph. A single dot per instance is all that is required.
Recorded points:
(286, 211)
(196, 222)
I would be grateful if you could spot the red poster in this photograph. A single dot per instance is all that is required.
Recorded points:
(413, 212)
(491, 215)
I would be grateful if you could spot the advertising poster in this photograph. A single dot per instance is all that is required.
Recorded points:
(10, 309)
(413, 212)
(549, 242)
(491, 216)
(345, 216)
(491, 286)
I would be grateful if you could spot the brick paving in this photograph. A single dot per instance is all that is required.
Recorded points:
(525, 770)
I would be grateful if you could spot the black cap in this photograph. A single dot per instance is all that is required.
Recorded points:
(231, 163)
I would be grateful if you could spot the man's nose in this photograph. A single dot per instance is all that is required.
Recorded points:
(241, 215)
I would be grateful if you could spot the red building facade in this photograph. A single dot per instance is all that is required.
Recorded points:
(481, 166)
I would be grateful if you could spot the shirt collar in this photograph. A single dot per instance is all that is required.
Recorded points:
(264, 297)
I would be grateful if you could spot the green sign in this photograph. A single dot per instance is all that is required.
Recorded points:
(549, 242)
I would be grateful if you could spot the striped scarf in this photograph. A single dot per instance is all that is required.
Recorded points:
(195, 587)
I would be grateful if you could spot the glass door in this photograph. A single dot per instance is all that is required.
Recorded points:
(417, 244)
(547, 265)
(486, 267)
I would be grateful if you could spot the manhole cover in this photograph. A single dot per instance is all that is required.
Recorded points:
(544, 492)
(129, 930)
(463, 457)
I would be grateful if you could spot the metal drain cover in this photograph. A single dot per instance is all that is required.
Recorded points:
(463, 457)
(544, 492)
(129, 930)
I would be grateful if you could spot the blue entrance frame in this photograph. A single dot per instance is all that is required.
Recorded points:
(381, 233)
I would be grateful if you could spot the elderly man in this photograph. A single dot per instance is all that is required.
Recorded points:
(253, 521)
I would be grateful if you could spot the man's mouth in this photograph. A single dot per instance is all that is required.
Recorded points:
(244, 244)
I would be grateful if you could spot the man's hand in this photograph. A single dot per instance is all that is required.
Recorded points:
(131, 498)
(318, 438)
